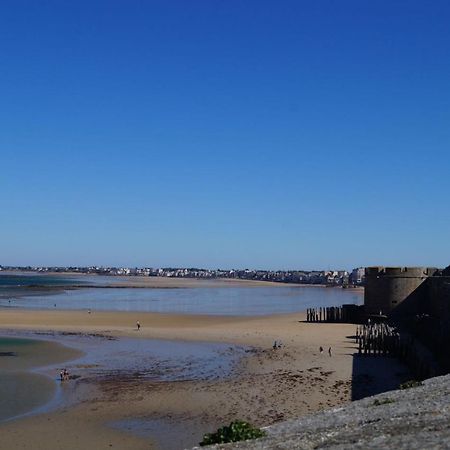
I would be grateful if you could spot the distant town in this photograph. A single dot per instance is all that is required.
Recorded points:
(325, 277)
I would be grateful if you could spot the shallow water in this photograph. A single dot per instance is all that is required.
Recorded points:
(14, 285)
(155, 359)
(220, 301)
(25, 389)
(9, 279)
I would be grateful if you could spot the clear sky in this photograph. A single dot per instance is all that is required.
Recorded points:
(233, 133)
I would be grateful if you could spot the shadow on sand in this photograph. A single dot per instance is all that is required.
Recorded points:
(373, 375)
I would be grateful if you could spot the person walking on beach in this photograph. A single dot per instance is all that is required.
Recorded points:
(330, 352)
(138, 325)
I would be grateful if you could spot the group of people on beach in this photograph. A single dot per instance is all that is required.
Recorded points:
(276, 345)
(64, 375)
(330, 351)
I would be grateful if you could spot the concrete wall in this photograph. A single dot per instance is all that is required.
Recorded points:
(397, 290)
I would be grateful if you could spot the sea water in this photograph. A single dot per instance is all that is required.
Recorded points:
(202, 300)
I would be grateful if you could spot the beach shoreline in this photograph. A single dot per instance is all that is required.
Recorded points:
(269, 385)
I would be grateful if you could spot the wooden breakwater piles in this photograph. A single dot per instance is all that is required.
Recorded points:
(345, 313)
(378, 337)
(381, 339)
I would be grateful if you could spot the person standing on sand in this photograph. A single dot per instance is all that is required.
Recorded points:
(321, 349)
(138, 325)
(330, 352)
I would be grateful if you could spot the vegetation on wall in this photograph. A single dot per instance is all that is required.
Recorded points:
(236, 431)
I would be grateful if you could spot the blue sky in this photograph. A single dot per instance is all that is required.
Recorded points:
(225, 134)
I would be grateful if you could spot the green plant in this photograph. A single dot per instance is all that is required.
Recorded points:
(410, 384)
(236, 431)
(383, 401)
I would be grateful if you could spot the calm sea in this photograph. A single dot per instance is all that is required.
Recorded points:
(203, 300)
(10, 280)
(17, 284)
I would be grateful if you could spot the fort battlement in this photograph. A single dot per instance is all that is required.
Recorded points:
(396, 290)
(401, 272)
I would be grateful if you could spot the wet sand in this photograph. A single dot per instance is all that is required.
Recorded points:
(269, 386)
(22, 387)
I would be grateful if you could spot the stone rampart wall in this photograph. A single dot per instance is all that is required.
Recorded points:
(402, 290)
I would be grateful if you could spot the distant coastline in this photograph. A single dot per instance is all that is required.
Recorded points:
(155, 282)
(303, 277)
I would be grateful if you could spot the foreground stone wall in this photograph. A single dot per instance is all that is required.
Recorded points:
(440, 297)
(416, 418)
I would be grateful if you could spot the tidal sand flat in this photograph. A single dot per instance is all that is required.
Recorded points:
(110, 364)
(133, 408)
(22, 389)
(106, 357)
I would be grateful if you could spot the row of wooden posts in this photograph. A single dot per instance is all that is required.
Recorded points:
(378, 339)
(383, 339)
(325, 314)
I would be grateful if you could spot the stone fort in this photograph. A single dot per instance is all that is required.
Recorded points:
(405, 291)
(418, 297)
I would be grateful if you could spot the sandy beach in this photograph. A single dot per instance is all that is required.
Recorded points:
(270, 385)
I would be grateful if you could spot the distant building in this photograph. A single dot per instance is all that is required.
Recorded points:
(357, 276)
